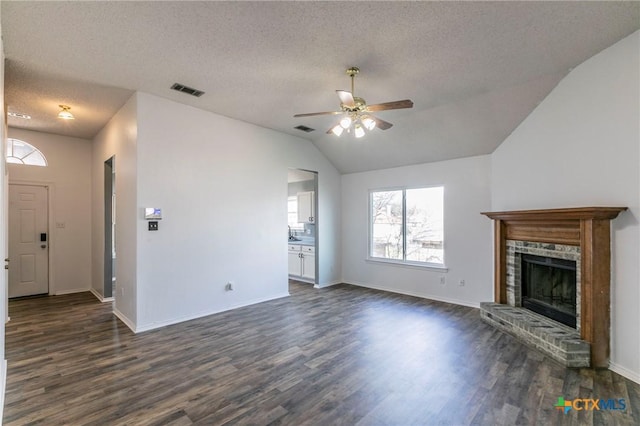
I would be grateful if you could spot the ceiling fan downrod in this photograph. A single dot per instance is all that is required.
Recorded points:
(352, 72)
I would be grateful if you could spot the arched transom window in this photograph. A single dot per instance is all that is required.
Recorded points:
(21, 152)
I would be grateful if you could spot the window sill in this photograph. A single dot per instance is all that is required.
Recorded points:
(412, 265)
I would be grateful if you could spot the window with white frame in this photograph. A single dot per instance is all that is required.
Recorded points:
(21, 152)
(406, 226)
(292, 213)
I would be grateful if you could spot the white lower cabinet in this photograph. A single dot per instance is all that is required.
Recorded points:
(295, 266)
(302, 261)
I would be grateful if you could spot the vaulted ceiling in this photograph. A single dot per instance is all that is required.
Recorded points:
(474, 70)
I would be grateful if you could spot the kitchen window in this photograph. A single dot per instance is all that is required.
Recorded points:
(292, 214)
(406, 226)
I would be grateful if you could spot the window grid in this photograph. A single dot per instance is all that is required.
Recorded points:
(21, 152)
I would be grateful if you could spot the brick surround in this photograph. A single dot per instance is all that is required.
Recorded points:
(515, 250)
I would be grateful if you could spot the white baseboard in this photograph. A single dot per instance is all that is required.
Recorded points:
(100, 297)
(623, 371)
(329, 284)
(122, 317)
(70, 291)
(160, 324)
(422, 296)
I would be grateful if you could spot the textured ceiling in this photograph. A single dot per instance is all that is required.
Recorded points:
(474, 70)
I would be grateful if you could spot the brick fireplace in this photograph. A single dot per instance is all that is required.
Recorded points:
(580, 235)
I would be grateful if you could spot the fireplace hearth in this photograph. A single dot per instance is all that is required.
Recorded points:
(549, 287)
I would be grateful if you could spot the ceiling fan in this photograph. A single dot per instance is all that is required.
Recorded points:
(357, 114)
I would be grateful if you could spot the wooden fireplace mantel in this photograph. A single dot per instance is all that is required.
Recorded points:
(586, 227)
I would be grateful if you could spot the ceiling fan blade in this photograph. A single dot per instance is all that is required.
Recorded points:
(346, 98)
(310, 114)
(381, 124)
(406, 103)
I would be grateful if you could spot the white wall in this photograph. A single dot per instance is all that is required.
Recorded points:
(580, 147)
(68, 175)
(118, 138)
(222, 187)
(467, 234)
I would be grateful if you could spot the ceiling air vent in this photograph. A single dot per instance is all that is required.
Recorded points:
(188, 90)
(304, 128)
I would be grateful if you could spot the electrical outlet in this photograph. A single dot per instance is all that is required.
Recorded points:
(462, 283)
(442, 280)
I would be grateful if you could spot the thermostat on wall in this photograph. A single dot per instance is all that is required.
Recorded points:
(152, 213)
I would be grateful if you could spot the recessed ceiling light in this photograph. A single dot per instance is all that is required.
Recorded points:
(19, 115)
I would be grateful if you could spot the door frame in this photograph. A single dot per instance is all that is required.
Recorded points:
(108, 260)
(50, 224)
(316, 184)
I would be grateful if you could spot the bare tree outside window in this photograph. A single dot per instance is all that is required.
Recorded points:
(387, 235)
(407, 225)
(424, 225)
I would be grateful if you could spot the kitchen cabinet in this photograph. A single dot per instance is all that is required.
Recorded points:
(302, 262)
(308, 262)
(306, 207)
(295, 265)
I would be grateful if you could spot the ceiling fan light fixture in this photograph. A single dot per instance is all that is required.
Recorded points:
(356, 114)
(337, 130)
(345, 122)
(369, 123)
(65, 114)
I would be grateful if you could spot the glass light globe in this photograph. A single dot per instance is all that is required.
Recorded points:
(337, 130)
(345, 122)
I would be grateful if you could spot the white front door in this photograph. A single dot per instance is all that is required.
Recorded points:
(28, 240)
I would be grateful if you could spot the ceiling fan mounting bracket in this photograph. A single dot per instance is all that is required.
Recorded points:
(351, 72)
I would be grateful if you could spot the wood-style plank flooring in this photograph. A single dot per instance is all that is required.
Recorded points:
(337, 356)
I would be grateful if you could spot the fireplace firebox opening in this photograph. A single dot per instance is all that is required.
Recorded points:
(549, 287)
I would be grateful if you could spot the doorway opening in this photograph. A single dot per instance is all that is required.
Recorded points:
(302, 225)
(109, 228)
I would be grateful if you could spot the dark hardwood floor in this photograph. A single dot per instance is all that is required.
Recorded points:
(342, 355)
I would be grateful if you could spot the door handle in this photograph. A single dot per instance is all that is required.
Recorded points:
(43, 246)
